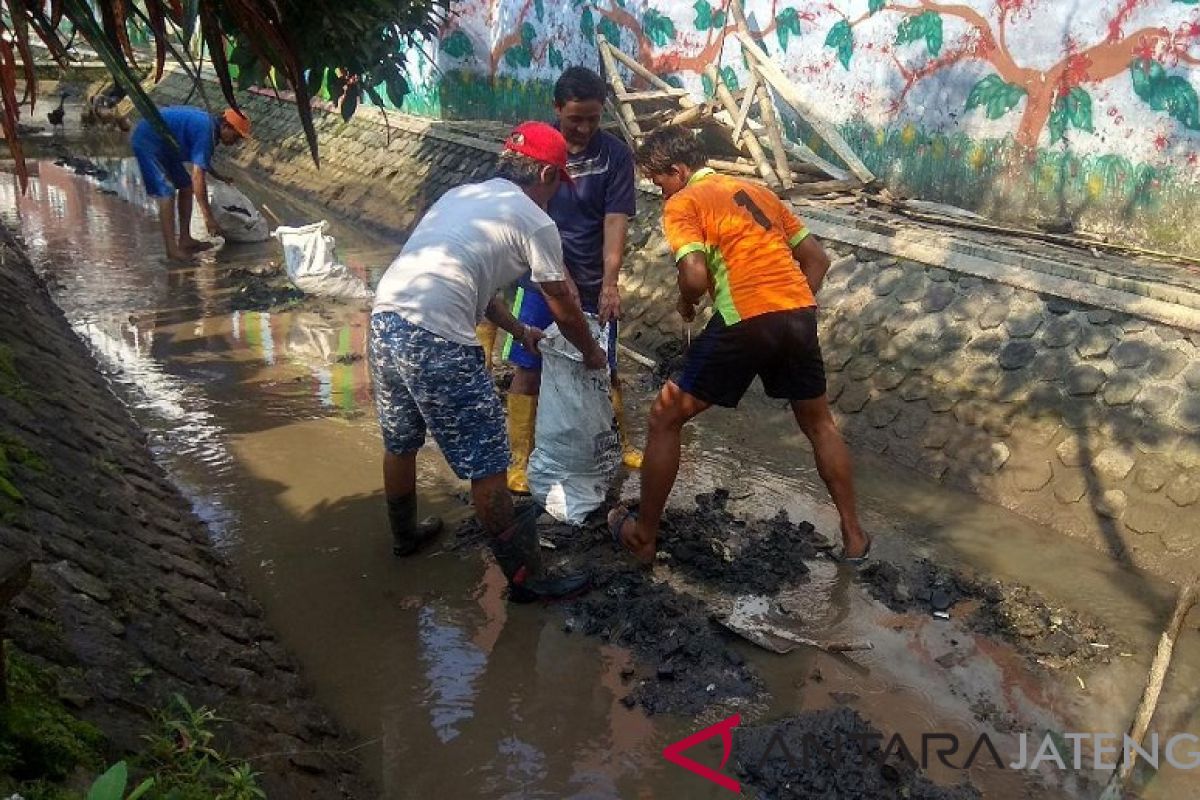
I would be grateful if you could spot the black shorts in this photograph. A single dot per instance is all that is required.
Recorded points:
(780, 347)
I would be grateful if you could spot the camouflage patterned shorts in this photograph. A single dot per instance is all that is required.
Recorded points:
(424, 382)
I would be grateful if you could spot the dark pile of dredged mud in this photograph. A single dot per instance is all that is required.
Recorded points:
(1048, 634)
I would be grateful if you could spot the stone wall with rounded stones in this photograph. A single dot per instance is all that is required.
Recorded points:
(1082, 418)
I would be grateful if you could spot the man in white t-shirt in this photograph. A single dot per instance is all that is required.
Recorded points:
(428, 367)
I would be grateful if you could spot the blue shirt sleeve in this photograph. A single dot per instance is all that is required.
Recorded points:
(202, 146)
(620, 194)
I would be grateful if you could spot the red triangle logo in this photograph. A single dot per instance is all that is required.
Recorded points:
(674, 752)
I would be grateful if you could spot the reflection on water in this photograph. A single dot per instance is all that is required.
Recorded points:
(265, 419)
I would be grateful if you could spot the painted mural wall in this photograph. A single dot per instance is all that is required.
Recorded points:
(1083, 109)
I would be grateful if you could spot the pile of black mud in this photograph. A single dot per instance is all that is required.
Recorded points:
(702, 545)
(1046, 634)
(83, 166)
(832, 754)
(253, 291)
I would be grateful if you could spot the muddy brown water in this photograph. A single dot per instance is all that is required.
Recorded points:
(265, 420)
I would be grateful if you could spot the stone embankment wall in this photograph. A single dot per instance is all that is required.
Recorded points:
(1083, 418)
(128, 600)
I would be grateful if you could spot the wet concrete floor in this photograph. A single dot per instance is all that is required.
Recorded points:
(265, 419)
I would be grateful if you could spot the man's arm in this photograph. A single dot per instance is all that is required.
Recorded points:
(616, 229)
(813, 261)
(564, 306)
(693, 283)
(527, 335)
(200, 189)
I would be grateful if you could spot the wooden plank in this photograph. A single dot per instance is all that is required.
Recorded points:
(733, 166)
(749, 140)
(656, 94)
(633, 132)
(822, 187)
(797, 150)
(791, 95)
(690, 115)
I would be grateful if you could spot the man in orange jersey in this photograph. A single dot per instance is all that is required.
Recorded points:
(736, 241)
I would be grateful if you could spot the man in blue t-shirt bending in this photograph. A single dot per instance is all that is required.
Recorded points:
(593, 220)
(197, 133)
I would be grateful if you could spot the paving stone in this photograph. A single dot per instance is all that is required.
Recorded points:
(1013, 387)
(836, 358)
(1095, 343)
(1166, 364)
(967, 307)
(1188, 413)
(942, 400)
(879, 310)
(1168, 334)
(1144, 518)
(988, 344)
(833, 389)
(1153, 436)
(854, 398)
(886, 281)
(915, 387)
(1121, 389)
(938, 432)
(1187, 453)
(1051, 366)
(1099, 316)
(1113, 464)
(1023, 326)
(938, 275)
(900, 321)
(1192, 376)
(1069, 487)
(889, 377)
(1085, 380)
(1184, 490)
(1061, 332)
(1015, 355)
(1153, 472)
(994, 315)
(1157, 399)
(1131, 354)
(1060, 306)
(992, 458)
(882, 413)
(1134, 325)
(1045, 400)
(969, 282)
(912, 288)
(1072, 452)
(938, 298)
(1111, 504)
(861, 367)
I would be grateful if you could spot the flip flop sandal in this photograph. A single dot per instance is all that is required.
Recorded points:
(854, 561)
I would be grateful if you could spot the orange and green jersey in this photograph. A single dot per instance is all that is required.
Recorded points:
(747, 235)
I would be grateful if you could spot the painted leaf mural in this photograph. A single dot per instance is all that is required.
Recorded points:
(521, 55)
(458, 45)
(1170, 93)
(787, 24)
(841, 39)
(1071, 110)
(995, 95)
(609, 30)
(539, 9)
(660, 29)
(875, 6)
(587, 26)
(554, 56)
(927, 27)
(707, 17)
(729, 78)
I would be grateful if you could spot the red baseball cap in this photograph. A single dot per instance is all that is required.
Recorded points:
(541, 142)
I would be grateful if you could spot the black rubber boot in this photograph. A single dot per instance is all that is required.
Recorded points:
(519, 555)
(409, 536)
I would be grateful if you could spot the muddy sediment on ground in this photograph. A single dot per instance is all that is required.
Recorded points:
(1048, 635)
(833, 753)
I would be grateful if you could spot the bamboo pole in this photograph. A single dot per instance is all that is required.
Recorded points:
(749, 140)
(1154, 684)
(766, 109)
(796, 150)
(625, 112)
(747, 104)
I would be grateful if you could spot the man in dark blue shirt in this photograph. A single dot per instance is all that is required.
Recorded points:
(593, 220)
(164, 175)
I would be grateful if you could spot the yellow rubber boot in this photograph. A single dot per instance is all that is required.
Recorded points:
(522, 411)
(630, 455)
(485, 332)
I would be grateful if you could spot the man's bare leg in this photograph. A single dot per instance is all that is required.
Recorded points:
(672, 409)
(835, 468)
(166, 221)
(186, 242)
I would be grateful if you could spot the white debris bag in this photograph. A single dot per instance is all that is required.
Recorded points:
(576, 450)
(311, 260)
(237, 216)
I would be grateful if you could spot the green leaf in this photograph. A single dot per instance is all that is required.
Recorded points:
(841, 38)
(587, 25)
(555, 57)
(610, 30)
(1058, 123)
(110, 785)
(787, 24)
(660, 29)
(539, 8)
(708, 18)
(1188, 2)
(729, 78)
(674, 80)
(995, 95)
(528, 32)
(1078, 104)
(141, 789)
(710, 89)
(1163, 92)
(350, 101)
(876, 5)
(458, 45)
(397, 89)
(518, 55)
(1146, 75)
(927, 26)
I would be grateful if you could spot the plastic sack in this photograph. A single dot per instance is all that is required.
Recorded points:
(311, 260)
(576, 450)
(238, 217)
